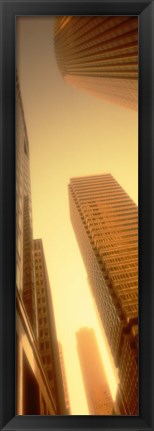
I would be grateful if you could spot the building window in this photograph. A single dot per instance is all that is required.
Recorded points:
(50, 374)
(41, 333)
(48, 359)
(41, 346)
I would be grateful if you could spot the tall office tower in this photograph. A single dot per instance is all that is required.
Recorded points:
(66, 394)
(97, 391)
(44, 318)
(47, 339)
(99, 54)
(25, 275)
(33, 390)
(105, 222)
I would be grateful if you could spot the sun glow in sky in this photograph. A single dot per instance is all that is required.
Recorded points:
(70, 134)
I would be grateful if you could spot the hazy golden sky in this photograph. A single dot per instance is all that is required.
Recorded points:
(70, 134)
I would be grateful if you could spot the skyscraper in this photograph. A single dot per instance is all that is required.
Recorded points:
(37, 393)
(47, 339)
(96, 386)
(25, 274)
(99, 54)
(105, 222)
(66, 394)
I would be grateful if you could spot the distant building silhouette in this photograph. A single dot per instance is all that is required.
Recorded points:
(38, 392)
(99, 54)
(97, 390)
(105, 222)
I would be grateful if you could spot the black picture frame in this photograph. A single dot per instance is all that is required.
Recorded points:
(145, 11)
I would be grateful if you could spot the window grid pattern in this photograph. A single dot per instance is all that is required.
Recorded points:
(112, 260)
(44, 334)
(92, 50)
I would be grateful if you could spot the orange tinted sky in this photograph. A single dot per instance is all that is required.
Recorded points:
(70, 134)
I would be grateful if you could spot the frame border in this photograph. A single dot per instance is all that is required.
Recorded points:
(9, 9)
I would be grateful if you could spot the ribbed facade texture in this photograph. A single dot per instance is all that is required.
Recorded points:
(97, 391)
(100, 55)
(105, 222)
(38, 389)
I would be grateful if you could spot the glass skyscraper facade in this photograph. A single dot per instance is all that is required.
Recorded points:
(105, 221)
(99, 54)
